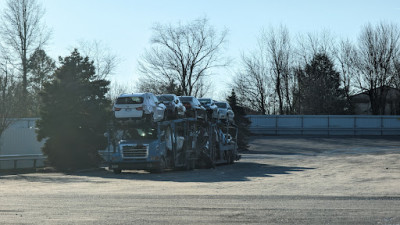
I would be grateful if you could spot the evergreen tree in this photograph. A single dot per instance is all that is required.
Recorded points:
(74, 114)
(41, 68)
(319, 88)
(240, 120)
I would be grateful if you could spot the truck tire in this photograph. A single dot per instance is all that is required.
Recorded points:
(231, 159)
(160, 168)
(117, 171)
(189, 165)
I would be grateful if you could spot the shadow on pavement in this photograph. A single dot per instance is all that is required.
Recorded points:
(240, 171)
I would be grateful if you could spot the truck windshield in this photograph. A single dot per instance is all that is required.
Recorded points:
(140, 134)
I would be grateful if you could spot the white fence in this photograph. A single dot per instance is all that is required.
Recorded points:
(324, 125)
(19, 147)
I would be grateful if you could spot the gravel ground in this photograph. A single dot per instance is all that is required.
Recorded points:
(281, 180)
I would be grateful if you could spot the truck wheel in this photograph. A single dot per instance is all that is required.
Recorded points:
(227, 156)
(231, 159)
(160, 168)
(117, 171)
(189, 165)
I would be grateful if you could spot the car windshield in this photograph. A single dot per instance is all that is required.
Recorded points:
(221, 105)
(186, 99)
(205, 101)
(130, 100)
(166, 97)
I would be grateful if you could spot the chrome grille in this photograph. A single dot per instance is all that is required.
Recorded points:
(134, 151)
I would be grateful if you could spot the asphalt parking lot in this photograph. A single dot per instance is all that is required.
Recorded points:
(281, 180)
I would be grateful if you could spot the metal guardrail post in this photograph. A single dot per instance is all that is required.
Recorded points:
(354, 125)
(329, 126)
(15, 158)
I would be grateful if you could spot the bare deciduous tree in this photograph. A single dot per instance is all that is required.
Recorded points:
(252, 85)
(279, 56)
(345, 56)
(117, 89)
(185, 54)
(8, 91)
(310, 44)
(377, 48)
(104, 60)
(22, 30)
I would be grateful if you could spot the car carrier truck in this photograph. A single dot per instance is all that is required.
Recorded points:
(185, 143)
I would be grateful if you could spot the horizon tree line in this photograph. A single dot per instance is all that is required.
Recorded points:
(183, 58)
(271, 80)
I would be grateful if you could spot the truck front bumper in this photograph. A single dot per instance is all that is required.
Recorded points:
(147, 165)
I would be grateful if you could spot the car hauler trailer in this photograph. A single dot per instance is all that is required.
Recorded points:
(181, 143)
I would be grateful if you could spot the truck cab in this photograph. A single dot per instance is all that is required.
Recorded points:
(139, 149)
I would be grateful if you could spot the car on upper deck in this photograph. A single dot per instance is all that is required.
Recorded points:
(225, 111)
(212, 109)
(193, 107)
(175, 108)
(139, 106)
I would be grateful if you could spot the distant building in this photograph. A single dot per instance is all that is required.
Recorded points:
(362, 104)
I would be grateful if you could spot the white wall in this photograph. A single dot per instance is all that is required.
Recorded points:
(20, 138)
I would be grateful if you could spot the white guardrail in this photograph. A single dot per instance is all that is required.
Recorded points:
(21, 161)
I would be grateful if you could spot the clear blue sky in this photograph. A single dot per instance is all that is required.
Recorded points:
(125, 25)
